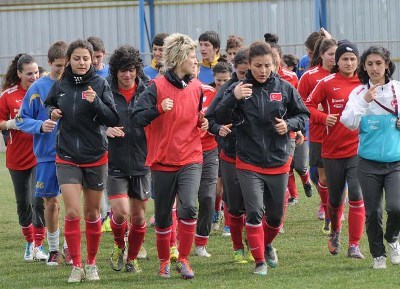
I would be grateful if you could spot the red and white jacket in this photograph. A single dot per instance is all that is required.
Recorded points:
(332, 93)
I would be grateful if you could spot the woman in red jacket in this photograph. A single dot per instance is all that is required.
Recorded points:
(172, 105)
(321, 64)
(20, 160)
(339, 147)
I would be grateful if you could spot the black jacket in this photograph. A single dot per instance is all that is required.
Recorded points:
(257, 142)
(81, 137)
(127, 155)
(227, 143)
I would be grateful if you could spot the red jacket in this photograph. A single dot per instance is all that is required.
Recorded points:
(208, 141)
(306, 85)
(173, 139)
(289, 76)
(332, 93)
(19, 154)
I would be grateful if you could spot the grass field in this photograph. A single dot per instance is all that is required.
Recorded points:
(304, 259)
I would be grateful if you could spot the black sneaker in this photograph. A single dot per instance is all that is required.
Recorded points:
(270, 256)
(53, 258)
(334, 243)
(308, 189)
(293, 201)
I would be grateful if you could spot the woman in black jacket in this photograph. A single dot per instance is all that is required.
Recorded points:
(268, 108)
(128, 182)
(83, 103)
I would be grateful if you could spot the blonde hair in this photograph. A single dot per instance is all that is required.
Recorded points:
(176, 49)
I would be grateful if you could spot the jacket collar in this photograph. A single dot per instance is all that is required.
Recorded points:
(176, 81)
(80, 79)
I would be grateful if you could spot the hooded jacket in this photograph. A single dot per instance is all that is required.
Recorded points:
(127, 155)
(258, 144)
(81, 135)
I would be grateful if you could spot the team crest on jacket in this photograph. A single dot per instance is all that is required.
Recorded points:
(276, 96)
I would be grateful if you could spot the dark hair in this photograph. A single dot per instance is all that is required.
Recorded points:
(272, 40)
(234, 41)
(385, 54)
(241, 57)
(312, 39)
(212, 37)
(79, 43)
(259, 48)
(41, 70)
(124, 58)
(97, 43)
(222, 67)
(290, 60)
(17, 64)
(322, 45)
(57, 50)
(159, 39)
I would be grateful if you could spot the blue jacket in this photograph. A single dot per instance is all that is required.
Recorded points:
(379, 139)
(32, 114)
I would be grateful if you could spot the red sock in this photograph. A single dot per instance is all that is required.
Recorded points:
(174, 228)
(119, 231)
(28, 233)
(335, 215)
(324, 194)
(163, 236)
(305, 178)
(38, 235)
(200, 240)
(255, 238)
(292, 185)
(186, 229)
(269, 232)
(218, 203)
(236, 226)
(356, 221)
(72, 233)
(135, 240)
(226, 215)
(93, 237)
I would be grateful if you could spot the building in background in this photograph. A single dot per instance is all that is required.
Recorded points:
(32, 25)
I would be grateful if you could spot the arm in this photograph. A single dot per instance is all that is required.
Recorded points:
(104, 107)
(313, 100)
(297, 111)
(355, 109)
(225, 108)
(27, 118)
(146, 109)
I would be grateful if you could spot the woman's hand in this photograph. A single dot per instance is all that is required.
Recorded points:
(90, 94)
(225, 130)
(117, 131)
(281, 126)
(167, 104)
(371, 93)
(332, 119)
(56, 114)
(243, 90)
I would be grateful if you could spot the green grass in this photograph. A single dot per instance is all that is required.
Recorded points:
(304, 259)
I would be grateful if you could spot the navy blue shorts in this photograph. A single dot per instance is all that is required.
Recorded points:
(46, 180)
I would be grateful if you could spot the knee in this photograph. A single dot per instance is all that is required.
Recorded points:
(274, 221)
(207, 201)
(189, 212)
(301, 170)
(52, 205)
(119, 214)
(138, 218)
(254, 218)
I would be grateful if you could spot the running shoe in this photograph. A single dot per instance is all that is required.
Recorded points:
(39, 254)
(308, 189)
(293, 201)
(165, 269)
(354, 252)
(334, 243)
(106, 225)
(226, 232)
(270, 256)
(379, 262)
(394, 252)
(92, 273)
(117, 258)
(321, 212)
(261, 269)
(66, 256)
(133, 266)
(239, 257)
(201, 251)
(28, 254)
(142, 253)
(77, 275)
(53, 259)
(173, 254)
(326, 227)
(183, 267)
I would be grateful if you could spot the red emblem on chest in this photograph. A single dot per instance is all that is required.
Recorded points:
(276, 96)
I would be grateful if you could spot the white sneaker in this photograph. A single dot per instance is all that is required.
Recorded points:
(201, 251)
(379, 262)
(28, 255)
(142, 253)
(77, 275)
(39, 254)
(92, 274)
(394, 252)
